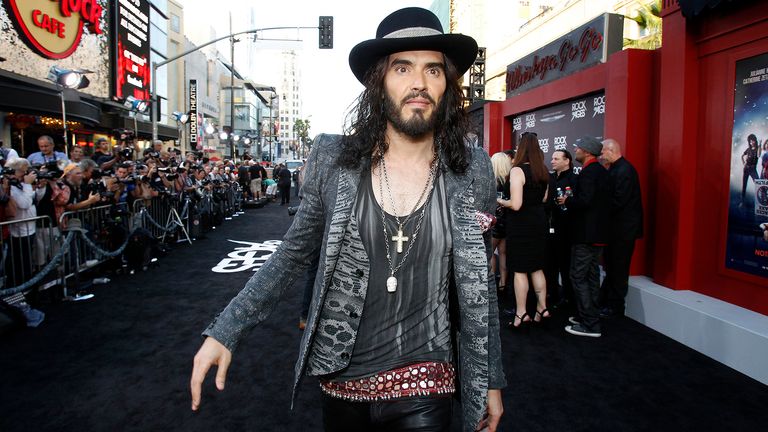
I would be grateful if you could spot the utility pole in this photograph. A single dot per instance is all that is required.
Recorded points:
(232, 91)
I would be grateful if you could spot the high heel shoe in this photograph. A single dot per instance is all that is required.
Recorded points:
(522, 319)
(539, 315)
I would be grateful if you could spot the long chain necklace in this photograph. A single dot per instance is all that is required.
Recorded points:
(400, 238)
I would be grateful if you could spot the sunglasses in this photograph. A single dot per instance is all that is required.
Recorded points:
(529, 133)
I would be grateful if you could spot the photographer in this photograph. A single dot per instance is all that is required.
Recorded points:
(102, 156)
(126, 186)
(46, 189)
(47, 153)
(7, 154)
(143, 182)
(121, 154)
(69, 196)
(19, 188)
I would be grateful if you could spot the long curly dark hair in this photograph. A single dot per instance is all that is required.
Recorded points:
(365, 131)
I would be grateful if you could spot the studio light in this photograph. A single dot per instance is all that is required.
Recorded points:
(137, 105)
(69, 78)
(210, 129)
(181, 117)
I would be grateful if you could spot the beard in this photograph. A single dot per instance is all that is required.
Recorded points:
(417, 125)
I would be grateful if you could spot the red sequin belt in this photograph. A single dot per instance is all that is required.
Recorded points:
(420, 379)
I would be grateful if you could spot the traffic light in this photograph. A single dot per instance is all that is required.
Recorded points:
(326, 32)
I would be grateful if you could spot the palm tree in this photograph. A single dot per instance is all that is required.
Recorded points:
(301, 129)
(648, 17)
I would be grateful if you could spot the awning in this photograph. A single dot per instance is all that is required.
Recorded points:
(24, 97)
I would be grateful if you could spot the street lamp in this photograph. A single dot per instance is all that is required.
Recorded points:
(67, 79)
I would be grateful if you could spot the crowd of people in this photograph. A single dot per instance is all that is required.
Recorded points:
(51, 183)
(553, 229)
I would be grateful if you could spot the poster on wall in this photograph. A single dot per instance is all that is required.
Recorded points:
(132, 68)
(747, 236)
(557, 127)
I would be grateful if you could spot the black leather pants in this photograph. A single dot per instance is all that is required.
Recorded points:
(417, 414)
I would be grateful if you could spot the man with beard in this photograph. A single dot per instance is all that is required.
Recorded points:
(560, 252)
(69, 196)
(402, 297)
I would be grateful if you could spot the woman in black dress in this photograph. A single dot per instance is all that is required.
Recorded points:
(526, 226)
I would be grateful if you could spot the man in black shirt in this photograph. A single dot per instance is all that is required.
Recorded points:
(407, 159)
(560, 252)
(626, 227)
(590, 213)
(102, 153)
(255, 172)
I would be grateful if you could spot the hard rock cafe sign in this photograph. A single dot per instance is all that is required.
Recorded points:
(53, 28)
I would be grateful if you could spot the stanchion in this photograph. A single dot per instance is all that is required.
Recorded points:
(75, 225)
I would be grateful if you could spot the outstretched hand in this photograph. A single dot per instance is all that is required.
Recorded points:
(211, 353)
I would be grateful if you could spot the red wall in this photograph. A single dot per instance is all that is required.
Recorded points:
(672, 110)
(628, 80)
(698, 62)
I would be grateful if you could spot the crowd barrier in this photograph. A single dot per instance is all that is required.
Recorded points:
(35, 253)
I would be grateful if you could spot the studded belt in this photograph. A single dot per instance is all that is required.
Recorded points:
(420, 379)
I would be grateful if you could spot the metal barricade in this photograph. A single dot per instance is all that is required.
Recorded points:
(162, 215)
(107, 226)
(26, 246)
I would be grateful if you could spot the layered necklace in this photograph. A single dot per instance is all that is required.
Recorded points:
(400, 238)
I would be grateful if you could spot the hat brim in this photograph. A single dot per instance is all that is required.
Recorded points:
(459, 48)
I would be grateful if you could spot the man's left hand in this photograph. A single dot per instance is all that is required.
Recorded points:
(495, 409)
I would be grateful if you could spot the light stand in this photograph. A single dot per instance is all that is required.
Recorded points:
(67, 79)
(136, 106)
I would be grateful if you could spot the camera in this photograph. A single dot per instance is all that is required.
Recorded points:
(126, 153)
(124, 134)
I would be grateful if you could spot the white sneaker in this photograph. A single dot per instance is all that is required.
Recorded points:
(578, 330)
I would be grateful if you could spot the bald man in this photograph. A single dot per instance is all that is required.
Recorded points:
(626, 227)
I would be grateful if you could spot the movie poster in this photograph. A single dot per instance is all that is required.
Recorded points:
(747, 240)
(559, 126)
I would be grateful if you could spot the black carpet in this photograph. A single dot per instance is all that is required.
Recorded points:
(122, 360)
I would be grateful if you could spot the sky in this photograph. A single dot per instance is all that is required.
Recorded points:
(328, 86)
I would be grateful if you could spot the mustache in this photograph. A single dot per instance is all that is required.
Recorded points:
(422, 94)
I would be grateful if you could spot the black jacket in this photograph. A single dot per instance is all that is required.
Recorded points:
(285, 177)
(560, 217)
(626, 201)
(590, 205)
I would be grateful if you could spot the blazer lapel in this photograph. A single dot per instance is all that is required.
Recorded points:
(346, 193)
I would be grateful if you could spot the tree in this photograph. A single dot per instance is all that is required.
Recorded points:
(648, 17)
(301, 129)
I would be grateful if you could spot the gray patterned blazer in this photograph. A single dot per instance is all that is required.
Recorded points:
(325, 224)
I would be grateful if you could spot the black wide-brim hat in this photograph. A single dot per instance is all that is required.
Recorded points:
(412, 29)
